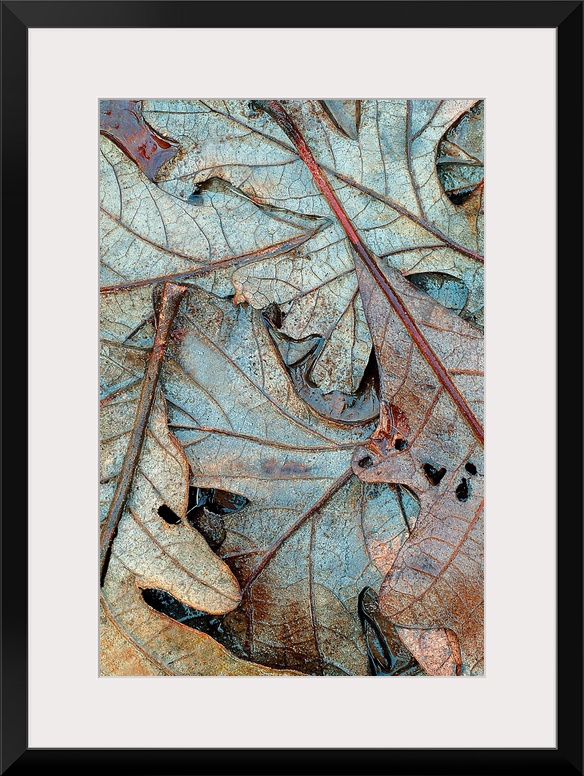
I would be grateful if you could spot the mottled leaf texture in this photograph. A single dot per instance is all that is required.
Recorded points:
(148, 236)
(292, 387)
(135, 640)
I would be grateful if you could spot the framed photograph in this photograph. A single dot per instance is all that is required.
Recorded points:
(252, 255)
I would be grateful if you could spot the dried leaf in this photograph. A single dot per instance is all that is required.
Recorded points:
(430, 445)
(387, 182)
(312, 536)
(148, 236)
(171, 556)
(273, 409)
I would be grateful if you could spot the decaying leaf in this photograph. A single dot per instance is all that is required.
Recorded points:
(154, 540)
(310, 535)
(428, 440)
(286, 475)
(148, 236)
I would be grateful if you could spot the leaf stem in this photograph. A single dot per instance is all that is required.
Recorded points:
(277, 111)
(235, 261)
(171, 298)
(271, 551)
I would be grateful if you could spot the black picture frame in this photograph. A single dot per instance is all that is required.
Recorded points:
(566, 17)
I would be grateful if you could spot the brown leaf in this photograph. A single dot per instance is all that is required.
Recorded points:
(436, 650)
(135, 640)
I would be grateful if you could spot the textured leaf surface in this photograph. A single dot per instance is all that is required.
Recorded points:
(384, 174)
(172, 556)
(137, 641)
(319, 471)
(311, 535)
(147, 235)
(437, 578)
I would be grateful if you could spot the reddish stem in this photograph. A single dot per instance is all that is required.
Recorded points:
(170, 301)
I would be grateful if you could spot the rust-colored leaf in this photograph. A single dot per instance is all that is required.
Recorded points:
(437, 578)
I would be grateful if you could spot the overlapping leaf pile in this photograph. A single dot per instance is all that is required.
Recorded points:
(292, 392)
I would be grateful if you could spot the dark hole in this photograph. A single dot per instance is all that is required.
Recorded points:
(471, 468)
(433, 474)
(273, 315)
(400, 444)
(212, 624)
(462, 490)
(221, 502)
(366, 462)
(196, 196)
(459, 197)
(167, 514)
(206, 509)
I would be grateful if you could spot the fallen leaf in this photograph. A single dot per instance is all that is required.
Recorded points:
(311, 535)
(275, 404)
(429, 436)
(436, 649)
(135, 640)
(147, 236)
(432, 447)
(144, 481)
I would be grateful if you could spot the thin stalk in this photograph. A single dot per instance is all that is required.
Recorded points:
(170, 301)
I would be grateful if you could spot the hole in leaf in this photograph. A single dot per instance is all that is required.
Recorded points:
(471, 468)
(400, 444)
(433, 474)
(168, 515)
(221, 502)
(459, 197)
(206, 509)
(196, 196)
(274, 315)
(462, 490)
(366, 462)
